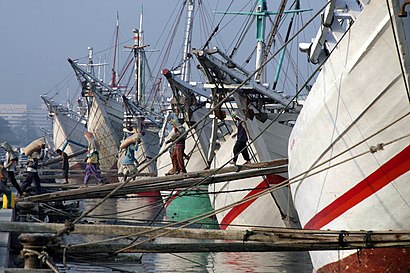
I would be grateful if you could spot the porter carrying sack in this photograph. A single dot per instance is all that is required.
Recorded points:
(34, 146)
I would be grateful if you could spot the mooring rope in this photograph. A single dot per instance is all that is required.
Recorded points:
(43, 257)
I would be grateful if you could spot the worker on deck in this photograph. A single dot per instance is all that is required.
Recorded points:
(92, 160)
(32, 167)
(127, 156)
(10, 165)
(4, 189)
(177, 149)
(64, 166)
(241, 139)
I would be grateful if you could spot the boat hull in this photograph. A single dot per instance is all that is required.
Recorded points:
(353, 130)
(269, 210)
(67, 131)
(105, 122)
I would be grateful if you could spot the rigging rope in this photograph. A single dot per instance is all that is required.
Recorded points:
(187, 131)
(216, 28)
(298, 178)
(396, 42)
(294, 180)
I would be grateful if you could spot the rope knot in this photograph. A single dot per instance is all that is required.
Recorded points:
(43, 257)
(376, 148)
(68, 227)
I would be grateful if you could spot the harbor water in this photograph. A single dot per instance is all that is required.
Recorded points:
(148, 210)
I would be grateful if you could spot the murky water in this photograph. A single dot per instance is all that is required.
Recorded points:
(227, 262)
(143, 209)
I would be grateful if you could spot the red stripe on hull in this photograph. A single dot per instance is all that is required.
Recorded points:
(392, 169)
(387, 260)
(154, 194)
(174, 195)
(237, 210)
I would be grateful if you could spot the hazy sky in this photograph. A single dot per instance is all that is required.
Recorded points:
(38, 36)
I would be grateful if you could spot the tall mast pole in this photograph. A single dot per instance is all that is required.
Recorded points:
(134, 48)
(261, 13)
(186, 64)
(90, 67)
(141, 80)
(113, 79)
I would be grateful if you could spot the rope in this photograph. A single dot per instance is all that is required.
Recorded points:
(298, 178)
(43, 257)
(398, 51)
(205, 116)
(186, 259)
(183, 135)
(240, 85)
(215, 29)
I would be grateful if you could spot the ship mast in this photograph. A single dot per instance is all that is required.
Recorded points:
(261, 12)
(186, 64)
(114, 74)
(90, 65)
(139, 64)
(140, 83)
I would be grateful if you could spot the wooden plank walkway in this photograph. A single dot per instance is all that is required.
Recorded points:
(173, 182)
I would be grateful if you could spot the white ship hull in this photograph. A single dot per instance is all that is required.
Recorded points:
(148, 149)
(269, 210)
(358, 101)
(105, 122)
(66, 128)
(68, 131)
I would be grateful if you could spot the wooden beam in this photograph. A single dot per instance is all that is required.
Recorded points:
(174, 182)
(280, 239)
(197, 247)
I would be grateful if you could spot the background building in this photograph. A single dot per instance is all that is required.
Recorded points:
(27, 122)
